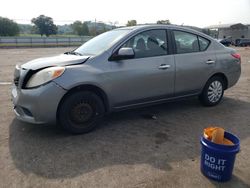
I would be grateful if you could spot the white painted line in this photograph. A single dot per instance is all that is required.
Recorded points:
(5, 83)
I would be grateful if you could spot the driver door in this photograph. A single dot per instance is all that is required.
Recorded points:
(147, 77)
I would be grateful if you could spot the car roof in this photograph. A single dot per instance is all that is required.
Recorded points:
(156, 26)
(163, 26)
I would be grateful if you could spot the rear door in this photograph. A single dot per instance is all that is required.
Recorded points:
(149, 75)
(194, 62)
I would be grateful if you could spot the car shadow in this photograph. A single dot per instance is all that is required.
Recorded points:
(130, 137)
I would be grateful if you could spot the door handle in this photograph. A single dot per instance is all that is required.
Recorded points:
(164, 66)
(210, 62)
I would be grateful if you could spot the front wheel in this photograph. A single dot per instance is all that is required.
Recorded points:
(213, 91)
(80, 112)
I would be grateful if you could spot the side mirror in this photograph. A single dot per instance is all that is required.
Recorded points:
(123, 53)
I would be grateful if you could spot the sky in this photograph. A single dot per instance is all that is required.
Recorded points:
(199, 13)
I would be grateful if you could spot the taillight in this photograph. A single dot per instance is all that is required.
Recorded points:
(237, 56)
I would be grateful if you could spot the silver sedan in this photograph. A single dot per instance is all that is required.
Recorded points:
(120, 69)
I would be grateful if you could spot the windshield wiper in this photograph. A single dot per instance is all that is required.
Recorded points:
(73, 53)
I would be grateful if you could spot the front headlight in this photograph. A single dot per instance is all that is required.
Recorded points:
(44, 76)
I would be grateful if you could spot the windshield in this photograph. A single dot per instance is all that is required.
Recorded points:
(101, 42)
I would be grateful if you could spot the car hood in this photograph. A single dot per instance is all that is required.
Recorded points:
(59, 60)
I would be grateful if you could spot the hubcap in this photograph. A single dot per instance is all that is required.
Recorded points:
(81, 113)
(215, 91)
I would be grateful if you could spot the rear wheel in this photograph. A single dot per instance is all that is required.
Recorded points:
(80, 112)
(213, 91)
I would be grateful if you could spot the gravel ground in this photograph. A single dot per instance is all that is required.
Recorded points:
(128, 149)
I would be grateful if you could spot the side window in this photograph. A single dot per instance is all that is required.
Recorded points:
(186, 42)
(149, 43)
(204, 43)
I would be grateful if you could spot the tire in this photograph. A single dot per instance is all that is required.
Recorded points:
(80, 112)
(213, 91)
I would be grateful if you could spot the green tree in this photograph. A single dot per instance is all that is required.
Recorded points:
(25, 28)
(45, 25)
(64, 29)
(92, 31)
(80, 28)
(77, 27)
(166, 22)
(8, 27)
(131, 23)
(85, 28)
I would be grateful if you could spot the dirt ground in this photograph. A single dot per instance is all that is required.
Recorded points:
(128, 149)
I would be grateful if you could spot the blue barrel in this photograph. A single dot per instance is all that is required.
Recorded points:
(217, 161)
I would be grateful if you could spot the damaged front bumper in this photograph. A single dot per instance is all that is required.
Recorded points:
(37, 105)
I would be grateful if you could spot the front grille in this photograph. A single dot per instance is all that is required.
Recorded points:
(17, 75)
